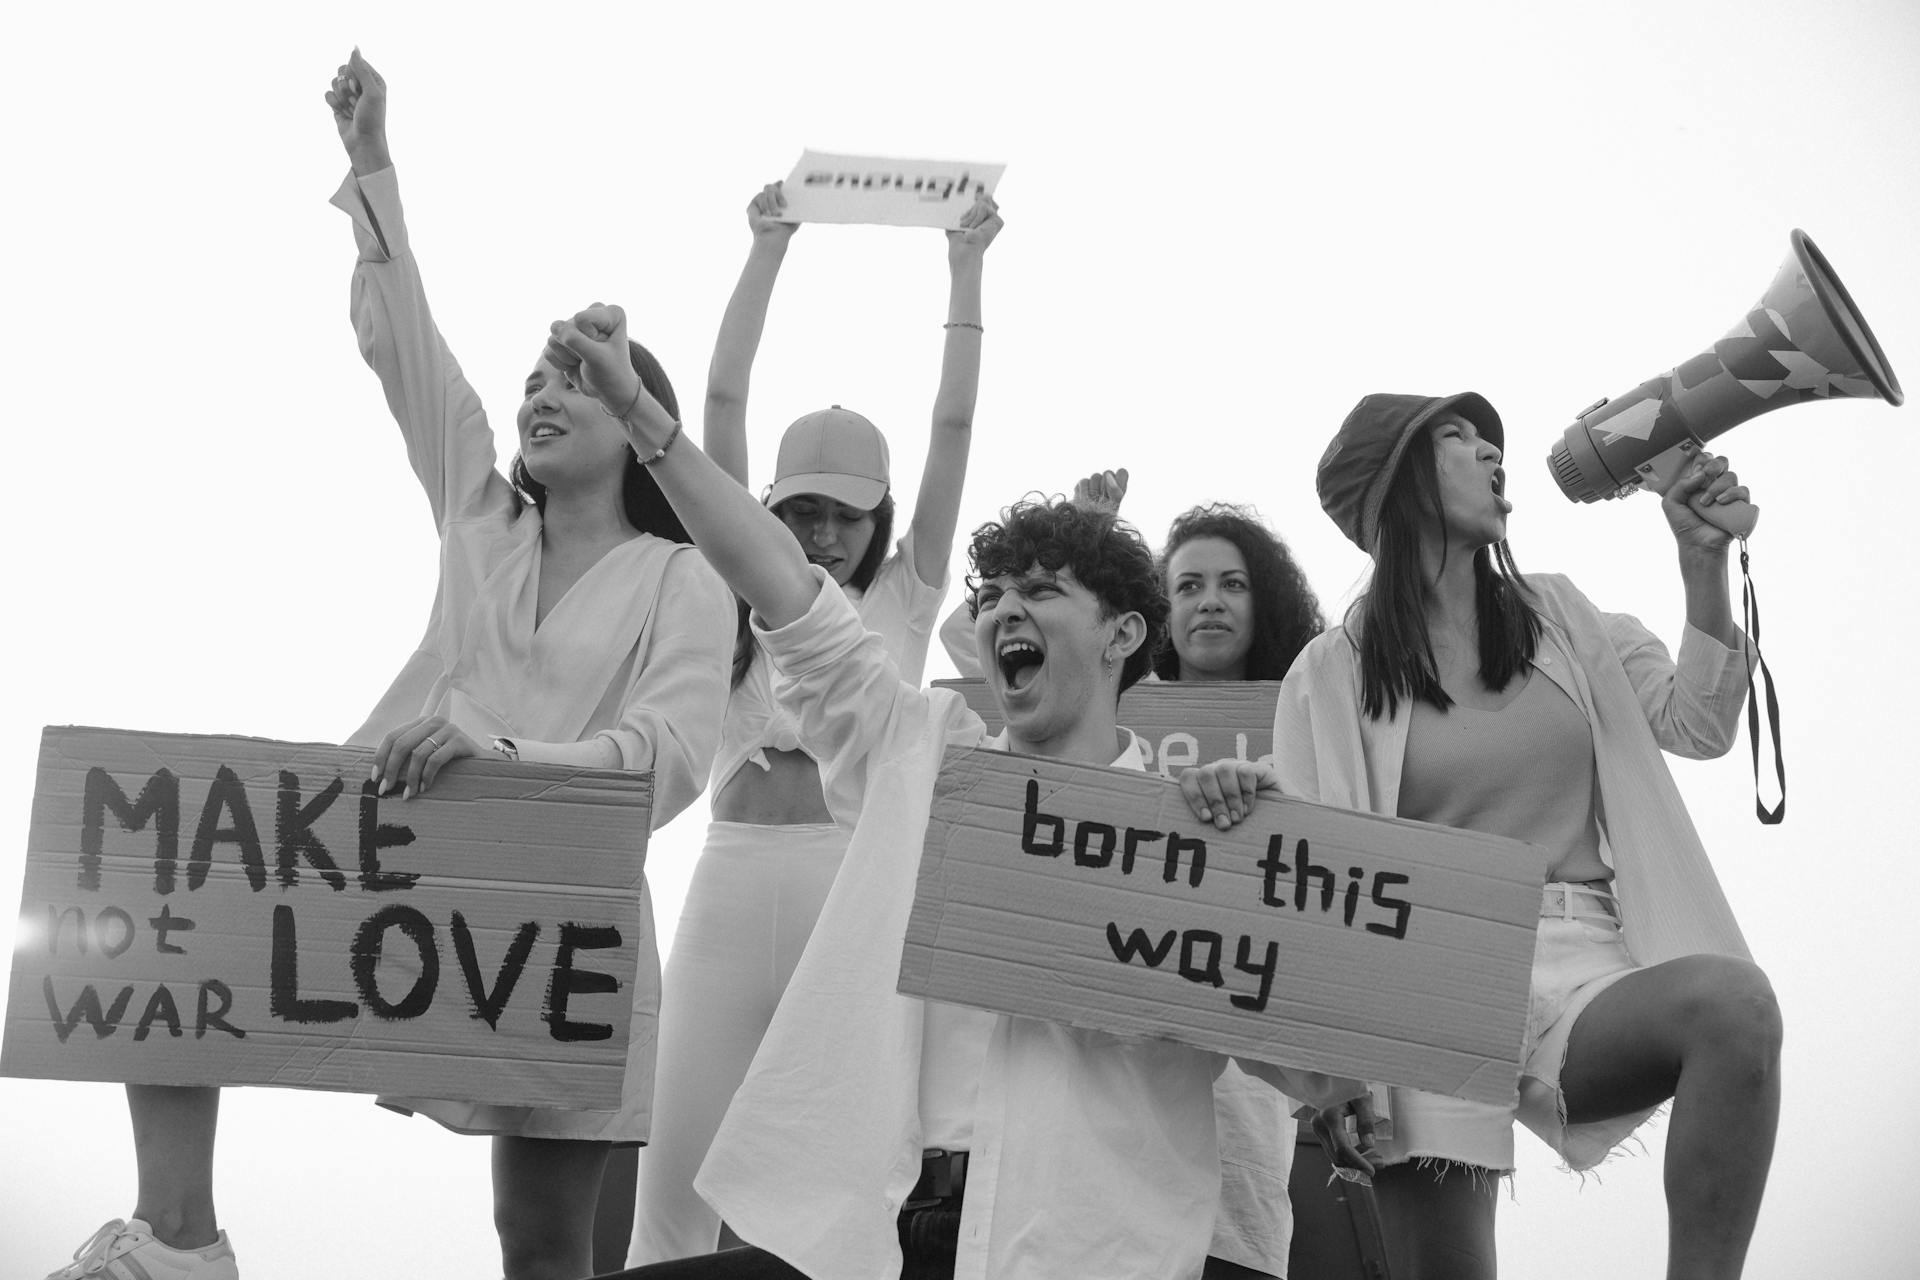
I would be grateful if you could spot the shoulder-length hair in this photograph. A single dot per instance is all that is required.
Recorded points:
(1286, 613)
(647, 509)
(1388, 623)
(863, 575)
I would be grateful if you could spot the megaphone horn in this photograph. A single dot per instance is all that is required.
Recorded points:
(1804, 340)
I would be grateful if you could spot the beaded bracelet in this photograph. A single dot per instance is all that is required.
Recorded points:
(963, 324)
(661, 452)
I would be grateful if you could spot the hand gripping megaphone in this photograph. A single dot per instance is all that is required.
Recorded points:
(1804, 340)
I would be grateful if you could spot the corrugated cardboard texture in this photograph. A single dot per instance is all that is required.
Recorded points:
(1181, 723)
(343, 954)
(1040, 933)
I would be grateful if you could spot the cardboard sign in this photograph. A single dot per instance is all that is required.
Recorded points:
(1307, 936)
(203, 910)
(1182, 723)
(893, 193)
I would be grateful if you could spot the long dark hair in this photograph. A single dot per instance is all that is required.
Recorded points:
(1286, 613)
(647, 508)
(863, 576)
(1388, 623)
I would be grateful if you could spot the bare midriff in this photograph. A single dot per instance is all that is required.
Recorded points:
(783, 795)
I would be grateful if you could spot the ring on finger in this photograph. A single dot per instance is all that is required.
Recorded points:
(435, 742)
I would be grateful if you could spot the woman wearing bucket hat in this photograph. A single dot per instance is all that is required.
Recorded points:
(1459, 692)
(774, 845)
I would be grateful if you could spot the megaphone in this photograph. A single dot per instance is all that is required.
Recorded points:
(1804, 340)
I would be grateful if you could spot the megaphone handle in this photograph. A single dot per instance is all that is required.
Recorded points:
(1659, 473)
(1736, 518)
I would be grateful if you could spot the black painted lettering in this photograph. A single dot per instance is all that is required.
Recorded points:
(1352, 894)
(1243, 961)
(1196, 864)
(1085, 833)
(488, 1004)
(569, 982)
(165, 923)
(368, 943)
(160, 1007)
(1401, 908)
(1031, 823)
(1138, 944)
(87, 1006)
(1308, 872)
(1200, 957)
(1272, 867)
(115, 946)
(55, 920)
(376, 835)
(815, 178)
(1136, 836)
(293, 836)
(159, 803)
(283, 1000)
(227, 795)
(206, 1017)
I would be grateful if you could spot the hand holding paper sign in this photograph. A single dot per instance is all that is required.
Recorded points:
(766, 215)
(358, 97)
(978, 226)
(1223, 792)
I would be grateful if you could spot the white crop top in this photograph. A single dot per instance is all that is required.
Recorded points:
(897, 605)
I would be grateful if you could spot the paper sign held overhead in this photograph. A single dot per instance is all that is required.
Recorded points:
(211, 910)
(1182, 723)
(1307, 936)
(884, 191)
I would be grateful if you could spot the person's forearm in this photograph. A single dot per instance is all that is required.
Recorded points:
(744, 542)
(960, 359)
(1703, 573)
(729, 375)
(369, 156)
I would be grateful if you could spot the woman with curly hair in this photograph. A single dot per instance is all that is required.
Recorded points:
(1241, 607)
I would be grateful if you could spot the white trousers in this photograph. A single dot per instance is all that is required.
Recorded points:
(749, 910)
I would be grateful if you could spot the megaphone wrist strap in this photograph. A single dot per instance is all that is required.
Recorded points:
(1750, 621)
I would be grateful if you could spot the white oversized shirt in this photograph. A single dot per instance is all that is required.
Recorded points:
(1091, 1155)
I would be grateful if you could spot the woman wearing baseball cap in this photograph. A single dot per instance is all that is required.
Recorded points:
(1460, 693)
(774, 846)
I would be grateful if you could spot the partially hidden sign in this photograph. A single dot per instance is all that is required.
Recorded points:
(213, 910)
(1307, 936)
(890, 192)
(1181, 723)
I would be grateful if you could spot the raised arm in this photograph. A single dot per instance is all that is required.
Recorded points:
(725, 429)
(744, 541)
(449, 444)
(936, 511)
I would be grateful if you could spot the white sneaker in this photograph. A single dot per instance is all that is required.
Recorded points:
(128, 1251)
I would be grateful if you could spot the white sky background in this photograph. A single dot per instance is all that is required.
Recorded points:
(1221, 230)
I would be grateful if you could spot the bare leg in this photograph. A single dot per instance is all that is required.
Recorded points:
(1704, 1031)
(1437, 1220)
(173, 1128)
(545, 1191)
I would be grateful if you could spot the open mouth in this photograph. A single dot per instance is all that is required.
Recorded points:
(1499, 484)
(545, 431)
(1020, 662)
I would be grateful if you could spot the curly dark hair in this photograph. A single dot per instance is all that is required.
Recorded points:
(647, 508)
(1286, 613)
(1105, 554)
